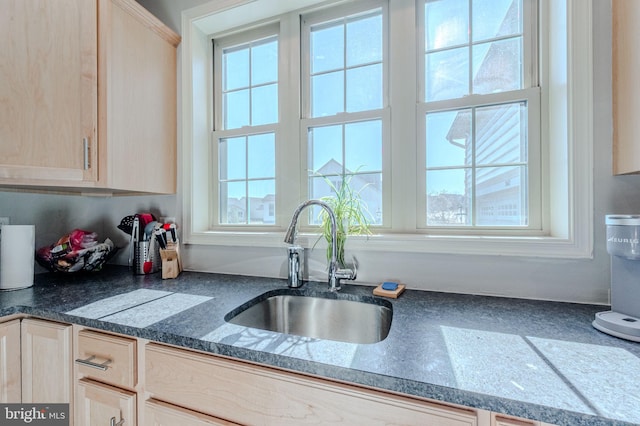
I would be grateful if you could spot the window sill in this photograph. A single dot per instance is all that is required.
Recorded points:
(548, 247)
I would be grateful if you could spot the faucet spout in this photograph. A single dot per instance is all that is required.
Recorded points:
(335, 273)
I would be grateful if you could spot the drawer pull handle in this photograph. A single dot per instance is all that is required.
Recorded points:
(113, 422)
(87, 362)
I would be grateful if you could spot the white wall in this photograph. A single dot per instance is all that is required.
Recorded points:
(568, 280)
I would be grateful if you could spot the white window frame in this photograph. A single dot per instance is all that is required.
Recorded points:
(219, 132)
(383, 114)
(530, 93)
(567, 103)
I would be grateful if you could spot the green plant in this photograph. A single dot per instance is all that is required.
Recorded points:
(352, 215)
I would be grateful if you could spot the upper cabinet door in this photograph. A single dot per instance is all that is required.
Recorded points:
(626, 95)
(48, 91)
(137, 99)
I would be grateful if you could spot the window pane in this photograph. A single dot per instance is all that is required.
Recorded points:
(236, 109)
(327, 48)
(261, 159)
(446, 23)
(363, 146)
(369, 186)
(495, 183)
(449, 197)
(264, 105)
(250, 84)
(501, 193)
(364, 88)
(233, 202)
(497, 66)
(496, 18)
(363, 150)
(241, 189)
(262, 201)
(364, 80)
(327, 94)
(235, 69)
(326, 149)
(364, 41)
(232, 154)
(264, 63)
(447, 74)
(319, 186)
(501, 134)
(448, 138)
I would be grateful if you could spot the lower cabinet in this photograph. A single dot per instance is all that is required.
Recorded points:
(46, 362)
(101, 404)
(106, 379)
(10, 374)
(125, 381)
(250, 394)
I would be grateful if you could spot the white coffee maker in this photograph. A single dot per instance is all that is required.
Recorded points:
(623, 244)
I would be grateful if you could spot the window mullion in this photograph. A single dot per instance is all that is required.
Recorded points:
(289, 157)
(344, 71)
(470, 45)
(474, 171)
(405, 165)
(247, 202)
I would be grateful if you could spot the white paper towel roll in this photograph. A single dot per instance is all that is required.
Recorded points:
(17, 252)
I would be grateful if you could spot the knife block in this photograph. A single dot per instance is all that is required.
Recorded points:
(171, 265)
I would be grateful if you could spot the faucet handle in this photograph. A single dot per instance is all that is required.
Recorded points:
(348, 273)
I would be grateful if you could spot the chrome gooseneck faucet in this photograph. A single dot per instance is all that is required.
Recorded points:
(335, 272)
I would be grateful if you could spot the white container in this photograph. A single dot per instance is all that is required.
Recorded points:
(17, 256)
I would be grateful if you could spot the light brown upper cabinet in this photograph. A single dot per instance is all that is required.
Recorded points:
(87, 97)
(626, 95)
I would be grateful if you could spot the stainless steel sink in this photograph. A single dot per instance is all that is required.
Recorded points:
(317, 317)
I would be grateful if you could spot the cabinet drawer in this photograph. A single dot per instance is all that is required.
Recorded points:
(106, 358)
(504, 420)
(251, 394)
(159, 413)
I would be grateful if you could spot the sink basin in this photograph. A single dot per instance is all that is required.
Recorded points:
(342, 320)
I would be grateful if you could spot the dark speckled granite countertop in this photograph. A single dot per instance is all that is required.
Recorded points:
(533, 359)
